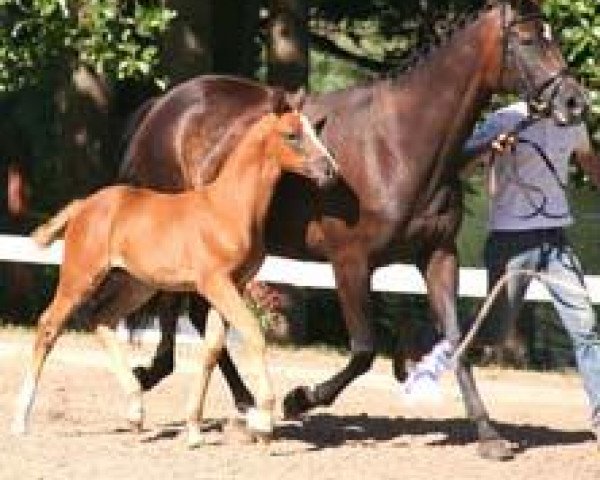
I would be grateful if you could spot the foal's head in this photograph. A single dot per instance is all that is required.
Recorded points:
(530, 61)
(293, 143)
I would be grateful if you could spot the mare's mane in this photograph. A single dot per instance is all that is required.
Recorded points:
(416, 55)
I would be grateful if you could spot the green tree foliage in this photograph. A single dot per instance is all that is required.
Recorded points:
(43, 39)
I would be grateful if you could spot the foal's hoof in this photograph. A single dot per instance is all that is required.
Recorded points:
(260, 423)
(18, 427)
(298, 401)
(136, 426)
(236, 432)
(495, 449)
(195, 438)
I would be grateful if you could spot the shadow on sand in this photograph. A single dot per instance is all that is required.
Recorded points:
(328, 431)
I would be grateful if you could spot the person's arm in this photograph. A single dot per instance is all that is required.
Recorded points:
(589, 162)
(584, 155)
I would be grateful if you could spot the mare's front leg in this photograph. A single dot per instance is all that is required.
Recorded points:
(352, 276)
(440, 270)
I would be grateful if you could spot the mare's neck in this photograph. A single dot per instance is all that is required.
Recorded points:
(452, 86)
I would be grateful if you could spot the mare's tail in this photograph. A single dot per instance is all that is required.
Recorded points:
(45, 233)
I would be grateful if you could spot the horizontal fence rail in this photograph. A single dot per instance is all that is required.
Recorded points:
(398, 278)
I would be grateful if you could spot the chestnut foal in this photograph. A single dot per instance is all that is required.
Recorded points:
(207, 240)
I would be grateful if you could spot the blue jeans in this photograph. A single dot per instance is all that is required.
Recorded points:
(545, 251)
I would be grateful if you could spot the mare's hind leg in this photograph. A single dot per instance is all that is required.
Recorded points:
(352, 275)
(71, 292)
(440, 270)
(163, 362)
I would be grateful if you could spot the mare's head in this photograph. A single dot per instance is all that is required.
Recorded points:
(294, 143)
(529, 61)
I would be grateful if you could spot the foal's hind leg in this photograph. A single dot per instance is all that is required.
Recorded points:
(122, 295)
(70, 293)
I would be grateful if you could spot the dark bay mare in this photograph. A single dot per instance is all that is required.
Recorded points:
(400, 199)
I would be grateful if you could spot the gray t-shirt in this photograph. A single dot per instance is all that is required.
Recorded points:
(527, 193)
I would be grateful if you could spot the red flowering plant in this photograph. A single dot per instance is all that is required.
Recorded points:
(268, 304)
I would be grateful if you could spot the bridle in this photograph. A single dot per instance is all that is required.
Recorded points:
(540, 96)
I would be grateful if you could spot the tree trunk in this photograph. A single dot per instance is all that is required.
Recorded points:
(187, 51)
(287, 56)
(234, 37)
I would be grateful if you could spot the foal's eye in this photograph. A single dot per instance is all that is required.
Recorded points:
(291, 137)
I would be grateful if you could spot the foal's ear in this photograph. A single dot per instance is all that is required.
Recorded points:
(280, 101)
(297, 98)
(285, 101)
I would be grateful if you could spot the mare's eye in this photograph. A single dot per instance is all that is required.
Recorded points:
(527, 41)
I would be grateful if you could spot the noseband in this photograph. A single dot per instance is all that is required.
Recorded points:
(538, 96)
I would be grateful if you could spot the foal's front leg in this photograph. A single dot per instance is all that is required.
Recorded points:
(226, 298)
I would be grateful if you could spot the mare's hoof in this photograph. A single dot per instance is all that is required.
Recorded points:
(243, 406)
(298, 401)
(262, 438)
(143, 377)
(495, 449)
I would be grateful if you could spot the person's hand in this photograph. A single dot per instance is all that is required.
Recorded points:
(504, 142)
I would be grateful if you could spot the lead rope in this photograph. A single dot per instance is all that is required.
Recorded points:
(491, 297)
(422, 382)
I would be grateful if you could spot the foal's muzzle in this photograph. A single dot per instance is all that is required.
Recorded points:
(324, 170)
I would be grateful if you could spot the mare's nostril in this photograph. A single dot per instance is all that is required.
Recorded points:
(572, 103)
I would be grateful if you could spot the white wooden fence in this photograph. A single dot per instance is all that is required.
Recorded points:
(399, 278)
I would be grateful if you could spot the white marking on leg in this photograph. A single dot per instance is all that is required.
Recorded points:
(24, 405)
(260, 421)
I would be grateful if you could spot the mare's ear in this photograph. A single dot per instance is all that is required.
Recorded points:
(527, 6)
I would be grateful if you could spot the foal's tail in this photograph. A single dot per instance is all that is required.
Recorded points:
(45, 233)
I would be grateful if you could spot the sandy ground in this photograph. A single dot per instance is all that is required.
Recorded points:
(78, 432)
